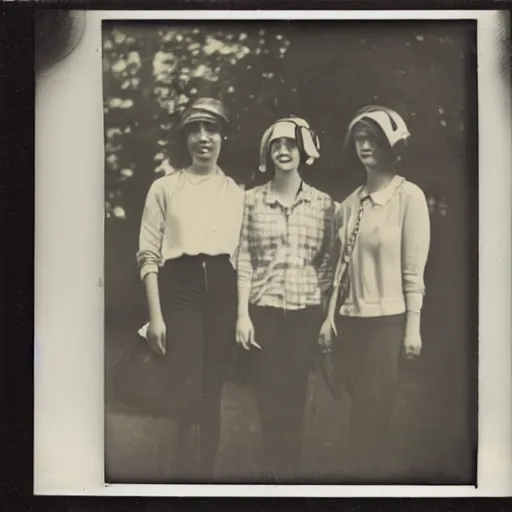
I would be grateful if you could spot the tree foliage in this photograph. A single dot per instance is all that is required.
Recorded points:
(152, 71)
(262, 71)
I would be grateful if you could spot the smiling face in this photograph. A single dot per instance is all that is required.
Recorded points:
(285, 154)
(204, 141)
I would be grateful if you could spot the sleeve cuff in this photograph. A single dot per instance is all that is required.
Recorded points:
(413, 301)
(148, 269)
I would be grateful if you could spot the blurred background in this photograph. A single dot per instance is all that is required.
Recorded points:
(426, 70)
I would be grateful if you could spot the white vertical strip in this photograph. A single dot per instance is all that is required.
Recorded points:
(495, 187)
(68, 379)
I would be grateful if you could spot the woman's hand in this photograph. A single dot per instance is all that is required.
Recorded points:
(157, 333)
(325, 336)
(412, 345)
(245, 333)
(412, 335)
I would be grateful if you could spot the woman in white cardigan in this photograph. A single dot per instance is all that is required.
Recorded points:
(375, 308)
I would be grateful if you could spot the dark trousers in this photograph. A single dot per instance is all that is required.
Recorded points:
(368, 351)
(280, 371)
(198, 298)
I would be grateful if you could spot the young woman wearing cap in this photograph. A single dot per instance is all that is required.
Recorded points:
(378, 290)
(284, 269)
(189, 232)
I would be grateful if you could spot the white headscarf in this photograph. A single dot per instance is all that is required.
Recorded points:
(294, 128)
(389, 121)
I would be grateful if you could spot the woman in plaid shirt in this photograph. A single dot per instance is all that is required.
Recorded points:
(284, 270)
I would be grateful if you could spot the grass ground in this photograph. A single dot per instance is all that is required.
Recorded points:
(431, 440)
(436, 410)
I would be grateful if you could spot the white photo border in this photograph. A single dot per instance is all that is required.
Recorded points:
(69, 328)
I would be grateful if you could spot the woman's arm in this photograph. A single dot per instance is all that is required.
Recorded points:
(157, 330)
(149, 258)
(329, 325)
(244, 328)
(244, 262)
(236, 216)
(153, 297)
(415, 248)
(149, 255)
(328, 257)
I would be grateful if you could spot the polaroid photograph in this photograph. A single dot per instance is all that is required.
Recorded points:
(287, 239)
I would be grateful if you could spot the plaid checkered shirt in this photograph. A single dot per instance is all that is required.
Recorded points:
(285, 255)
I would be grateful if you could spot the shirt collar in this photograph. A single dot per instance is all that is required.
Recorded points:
(303, 194)
(384, 195)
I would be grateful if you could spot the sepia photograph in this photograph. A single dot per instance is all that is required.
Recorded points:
(291, 252)
(272, 254)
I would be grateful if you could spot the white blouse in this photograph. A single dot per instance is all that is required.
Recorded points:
(189, 214)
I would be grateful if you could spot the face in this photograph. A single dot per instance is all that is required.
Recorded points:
(204, 141)
(285, 154)
(370, 150)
